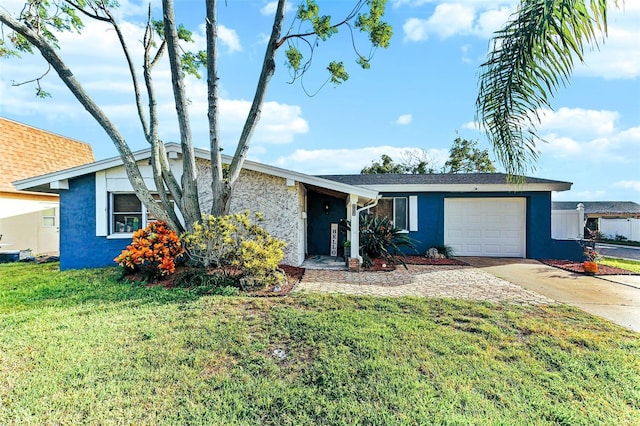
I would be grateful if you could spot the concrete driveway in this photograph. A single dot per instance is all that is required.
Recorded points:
(616, 298)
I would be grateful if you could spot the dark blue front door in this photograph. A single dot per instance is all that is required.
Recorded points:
(322, 211)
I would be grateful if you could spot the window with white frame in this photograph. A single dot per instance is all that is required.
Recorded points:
(395, 208)
(128, 214)
(49, 218)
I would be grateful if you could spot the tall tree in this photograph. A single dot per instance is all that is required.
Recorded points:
(384, 166)
(465, 157)
(36, 26)
(415, 161)
(530, 58)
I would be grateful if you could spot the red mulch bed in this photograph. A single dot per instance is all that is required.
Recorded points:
(568, 265)
(294, 275)
(381, 265)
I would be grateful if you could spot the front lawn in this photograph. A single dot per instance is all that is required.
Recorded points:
(80, 347)
(630, 265)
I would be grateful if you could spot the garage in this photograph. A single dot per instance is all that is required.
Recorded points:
(489, 227)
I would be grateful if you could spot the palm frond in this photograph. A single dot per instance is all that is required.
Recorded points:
(530, 59)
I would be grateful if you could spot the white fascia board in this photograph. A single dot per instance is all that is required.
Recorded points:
(173, 149)
(85, 169)
(515, 188)
(361, 191)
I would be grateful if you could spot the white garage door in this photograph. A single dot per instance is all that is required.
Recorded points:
(490, 227)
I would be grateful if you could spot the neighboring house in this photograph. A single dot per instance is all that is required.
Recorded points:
(29, 219)
(476, 214)
(609, 217)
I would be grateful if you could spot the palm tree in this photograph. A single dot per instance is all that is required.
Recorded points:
(529, 59)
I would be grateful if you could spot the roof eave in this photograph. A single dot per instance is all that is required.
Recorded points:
(527, 187)
(42, 183)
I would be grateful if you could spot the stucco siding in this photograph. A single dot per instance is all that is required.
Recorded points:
(269, 195)
(79, 245)
(539, 244)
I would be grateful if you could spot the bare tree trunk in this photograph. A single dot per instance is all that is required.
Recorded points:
(223, 190)
(159, 163)
(67, 77)
(190, 205)
(219, 187)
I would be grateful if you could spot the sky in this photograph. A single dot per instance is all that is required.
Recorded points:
(418, 94)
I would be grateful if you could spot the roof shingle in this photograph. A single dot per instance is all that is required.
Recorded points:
(26, 151)
(600, 207)
(430, 179)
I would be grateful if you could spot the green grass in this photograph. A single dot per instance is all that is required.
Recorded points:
(629, 265)
(80, 347)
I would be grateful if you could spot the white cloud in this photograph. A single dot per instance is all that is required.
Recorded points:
(404, 119)
(229, 38)
(587, 136)
(323, 161)
(458, 18)
(629, 184)
(579, 121)
(617, 58)
(270, 8)
(103, 73)
(619, 55)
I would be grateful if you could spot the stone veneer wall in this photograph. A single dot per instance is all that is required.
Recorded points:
(259, 192)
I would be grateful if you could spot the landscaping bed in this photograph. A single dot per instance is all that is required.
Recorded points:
(293, 273)
(577, 267)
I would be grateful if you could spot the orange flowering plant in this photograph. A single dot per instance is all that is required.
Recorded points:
(154, 250)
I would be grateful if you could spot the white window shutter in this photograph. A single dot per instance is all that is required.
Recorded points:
(102, 218)
(413, 213)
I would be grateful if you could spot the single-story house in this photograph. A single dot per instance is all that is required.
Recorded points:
(476, 214)
(29, 219)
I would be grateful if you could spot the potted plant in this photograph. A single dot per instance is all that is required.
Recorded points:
(590, 265)
(347, 251)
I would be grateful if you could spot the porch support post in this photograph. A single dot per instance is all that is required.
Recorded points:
(352, 213)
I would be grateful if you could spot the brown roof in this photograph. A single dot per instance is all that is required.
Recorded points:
(26, 151)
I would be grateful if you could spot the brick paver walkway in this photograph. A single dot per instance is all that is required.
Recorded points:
(421, 280)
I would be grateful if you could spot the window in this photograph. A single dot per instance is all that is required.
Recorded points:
(49, 218)
(127, 214)
(394, 208)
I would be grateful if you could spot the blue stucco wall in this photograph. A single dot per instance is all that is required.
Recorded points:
(79, 245)
(539, 245)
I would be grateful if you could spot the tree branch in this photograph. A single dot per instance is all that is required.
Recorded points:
(67, 77)
(190, 206)
(268, 68)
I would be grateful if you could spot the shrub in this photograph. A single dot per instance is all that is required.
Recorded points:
(380, 238)
(200, 281)
(445, 250)
(153, 251)
(241, 249)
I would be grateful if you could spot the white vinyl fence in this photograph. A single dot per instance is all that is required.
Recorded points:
(567, 224)
(628, 228)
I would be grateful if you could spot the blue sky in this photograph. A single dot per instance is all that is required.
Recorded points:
(419, 93)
